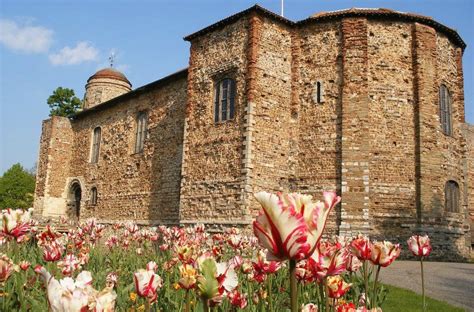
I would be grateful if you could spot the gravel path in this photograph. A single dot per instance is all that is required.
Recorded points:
(450, 282)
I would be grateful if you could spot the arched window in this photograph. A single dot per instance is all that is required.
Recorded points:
(224, 100)
(451, 195)
(95, 145)
(141, 131)
(445, 109)
(93, 199)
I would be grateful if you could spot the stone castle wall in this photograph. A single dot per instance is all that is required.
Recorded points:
(374, 136)
(211, 177)
(141, 186)
(56, 143)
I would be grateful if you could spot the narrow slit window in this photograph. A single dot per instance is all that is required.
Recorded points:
(318, 92)
(96, 137)
(451, 196)
(224, 104)
(93, 200)
(445, 110)
(141, 131)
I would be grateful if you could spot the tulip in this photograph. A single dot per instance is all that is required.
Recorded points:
(188, 276)
(361, 247)
(262, 267)
(290, 226)
(310, 307)
(69, 264)
(24, 265)
(328, 260)
(52, 251)
(337, 286)
(16, 222)
(346, 307)
(7, 267)
(105, 301)
(384, 253)
(353, 263)
(237, 299)
(420, 246)
(147, 284)
(67, 294)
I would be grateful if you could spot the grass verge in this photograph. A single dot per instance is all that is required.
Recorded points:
(399, 299)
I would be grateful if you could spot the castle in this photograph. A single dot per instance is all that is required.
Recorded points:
(367, 102)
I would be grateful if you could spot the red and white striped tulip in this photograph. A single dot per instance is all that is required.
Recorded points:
(147, 284)
(337, 286)
(384, 253)
(16, 222)
(290, 225)
(361, 247)
(419, 245)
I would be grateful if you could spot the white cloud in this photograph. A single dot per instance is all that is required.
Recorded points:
(25, 38)
(82, 52)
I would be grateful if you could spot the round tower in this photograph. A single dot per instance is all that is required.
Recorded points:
(104, 85)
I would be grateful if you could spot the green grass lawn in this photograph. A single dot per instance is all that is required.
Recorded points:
(399, 299)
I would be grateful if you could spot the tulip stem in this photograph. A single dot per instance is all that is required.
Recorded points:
(186, 309)
(375, 286)
(205, 305)
(293, 286)
(326, 292)
(366, 282)
(269, 294)
(147, 305)
(422, 285)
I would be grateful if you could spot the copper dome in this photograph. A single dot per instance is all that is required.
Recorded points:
(109, 73)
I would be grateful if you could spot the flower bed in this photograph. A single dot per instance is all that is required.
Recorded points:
(284, 266)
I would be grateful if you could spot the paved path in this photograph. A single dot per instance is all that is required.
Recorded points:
(451, 282)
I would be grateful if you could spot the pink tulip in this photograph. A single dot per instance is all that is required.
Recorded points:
(290, 225)
(384, 253)
(419, 245)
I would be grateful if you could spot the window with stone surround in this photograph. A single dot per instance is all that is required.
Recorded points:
(445, 110)
(451, 195)
(140, 136)
(93, 198)
(95, 145)
(224, 100)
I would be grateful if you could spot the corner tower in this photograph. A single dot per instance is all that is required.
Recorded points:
(104, 85)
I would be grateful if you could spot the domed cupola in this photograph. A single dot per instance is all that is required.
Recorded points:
(104, 85)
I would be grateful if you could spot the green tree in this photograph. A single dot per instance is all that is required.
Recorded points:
(63, 102)
(17, 187)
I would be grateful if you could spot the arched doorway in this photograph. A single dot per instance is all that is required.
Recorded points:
(75, 194)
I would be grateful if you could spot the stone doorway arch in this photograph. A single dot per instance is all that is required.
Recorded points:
(75, 196)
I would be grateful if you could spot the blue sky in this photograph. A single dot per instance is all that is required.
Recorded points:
(46, 44)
